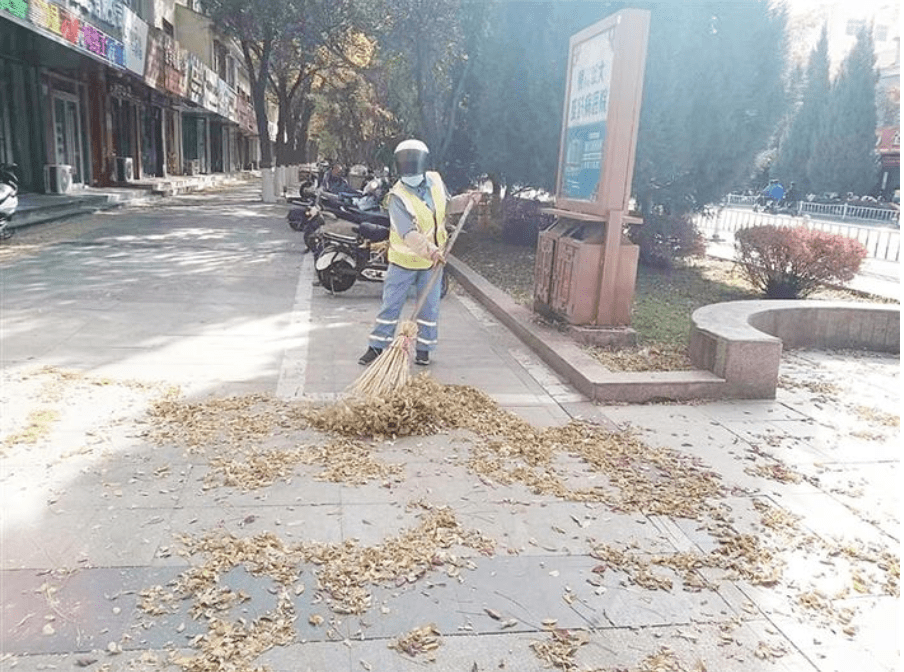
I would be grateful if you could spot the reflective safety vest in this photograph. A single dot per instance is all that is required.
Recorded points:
(428, 223)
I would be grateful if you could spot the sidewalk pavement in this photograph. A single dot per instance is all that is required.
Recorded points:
(42, 208)
(791, 565)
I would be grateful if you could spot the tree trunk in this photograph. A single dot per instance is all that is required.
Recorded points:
(259, 98)
(258, 79)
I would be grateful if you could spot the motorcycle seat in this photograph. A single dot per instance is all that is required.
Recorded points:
(373, 232)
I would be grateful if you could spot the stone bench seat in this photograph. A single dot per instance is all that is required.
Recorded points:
(741, 342)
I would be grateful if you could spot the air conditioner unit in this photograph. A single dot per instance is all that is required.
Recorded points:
(124, 169)
(58, 179)
(192, 167)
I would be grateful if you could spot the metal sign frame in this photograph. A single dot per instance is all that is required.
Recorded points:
(603, 94)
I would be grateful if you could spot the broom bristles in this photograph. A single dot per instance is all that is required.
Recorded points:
(390, 371)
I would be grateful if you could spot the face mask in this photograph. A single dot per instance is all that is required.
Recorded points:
(412, 180)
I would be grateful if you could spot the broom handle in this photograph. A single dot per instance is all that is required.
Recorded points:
(435, 274)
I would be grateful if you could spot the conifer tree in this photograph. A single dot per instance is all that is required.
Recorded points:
(799, 140)
(844, 154)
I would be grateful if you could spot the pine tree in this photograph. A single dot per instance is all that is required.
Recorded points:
(800, 140)
(713, 96)
(844, 157)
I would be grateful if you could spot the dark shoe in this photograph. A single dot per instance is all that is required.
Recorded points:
(369, 356)
(422, 358)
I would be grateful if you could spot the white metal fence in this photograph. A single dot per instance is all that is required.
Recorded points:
(838, 211)
(881, 242)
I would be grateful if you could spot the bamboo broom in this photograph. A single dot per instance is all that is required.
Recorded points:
(390, 371)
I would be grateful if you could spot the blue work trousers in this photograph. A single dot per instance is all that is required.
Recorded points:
(395, 290)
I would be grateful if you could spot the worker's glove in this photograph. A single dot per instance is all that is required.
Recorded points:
(421, 245)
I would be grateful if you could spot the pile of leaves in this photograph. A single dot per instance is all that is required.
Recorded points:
(628, 476)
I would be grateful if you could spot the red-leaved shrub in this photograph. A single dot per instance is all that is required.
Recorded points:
(792, 262)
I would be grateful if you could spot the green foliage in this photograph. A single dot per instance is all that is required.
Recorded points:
(793, 262)
(843, 155)
(802, 133)
(522, 220)
(665, 239)
(425, 48)
(518, 85)
(713, 94)
(830, 144)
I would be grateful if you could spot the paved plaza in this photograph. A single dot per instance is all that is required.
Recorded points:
(169, 501)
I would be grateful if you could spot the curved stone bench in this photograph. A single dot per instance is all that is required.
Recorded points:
(742, 341)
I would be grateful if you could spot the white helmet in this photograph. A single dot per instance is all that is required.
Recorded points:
(411, 160)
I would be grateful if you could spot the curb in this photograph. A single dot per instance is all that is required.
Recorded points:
(581, 370)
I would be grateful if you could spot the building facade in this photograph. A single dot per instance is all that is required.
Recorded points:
(101, 92)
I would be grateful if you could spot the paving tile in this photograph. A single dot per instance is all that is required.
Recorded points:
(834, 651)
(693, 645)
(531, 589)
(57, 612)
(44, 540)
(455, 653)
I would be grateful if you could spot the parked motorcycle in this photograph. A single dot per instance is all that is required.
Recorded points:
(9, 197)
(345, 258)
(308, 220)
(355, 207)
(361, 255)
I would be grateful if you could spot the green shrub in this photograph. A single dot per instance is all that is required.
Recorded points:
(793, 262)
(665, 239)
(522, 220)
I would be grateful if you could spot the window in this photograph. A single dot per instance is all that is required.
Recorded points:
(880, 34)
(854, 26)
(219, 58)
(167, 28)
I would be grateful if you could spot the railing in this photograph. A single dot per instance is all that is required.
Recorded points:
(881, 242)
(842, 211)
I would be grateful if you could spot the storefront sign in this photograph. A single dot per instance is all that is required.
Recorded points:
(61, 22)
(196, 80)
(153, 63)
(226, 101)
(211, 89)
(135, 38)
(602, 106)
(172, 77)
(245, 112)
(102, 11)
(18, 8)
(185, 75)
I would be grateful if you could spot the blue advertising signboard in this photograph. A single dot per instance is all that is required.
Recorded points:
(585, 122)
(603, 93)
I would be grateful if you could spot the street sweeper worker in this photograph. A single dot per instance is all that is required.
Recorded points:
(418, 204)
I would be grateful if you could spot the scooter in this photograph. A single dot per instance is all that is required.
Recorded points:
(356, 209)
(9, 197)
(344, 259)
